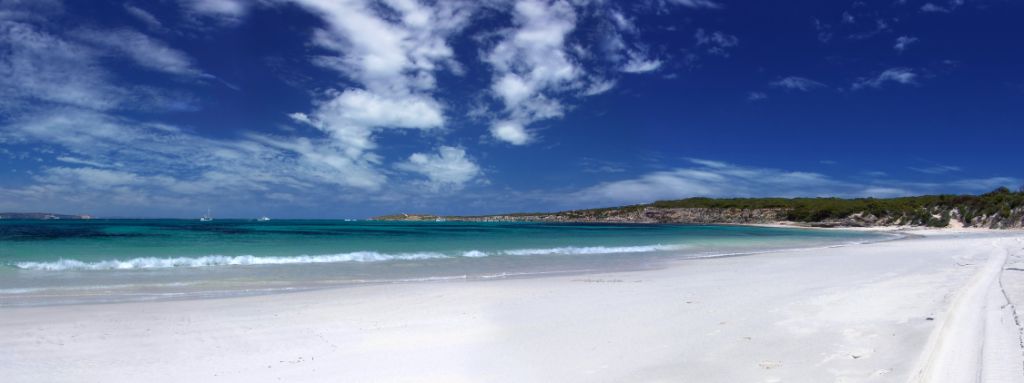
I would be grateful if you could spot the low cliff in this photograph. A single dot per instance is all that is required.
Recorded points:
(640, 215)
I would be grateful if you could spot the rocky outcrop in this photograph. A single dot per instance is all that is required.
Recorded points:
(994, 221)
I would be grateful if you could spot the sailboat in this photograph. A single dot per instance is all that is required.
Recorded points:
(206, 217)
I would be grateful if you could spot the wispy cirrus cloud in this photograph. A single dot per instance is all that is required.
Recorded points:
(948, 7)
(797, 83)
(228, 12)
(708, 178)
(903, 42)
(59, 93)
(387, 52)
(621, 43)
(144, 16)
(936, 169)
(905, 76)
(157, 164)
(41, 67)
(143, 50)
(717, 43)
(641, 64)
(697, 3)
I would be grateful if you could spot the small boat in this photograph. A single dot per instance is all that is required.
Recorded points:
(262, 219)
(206, 217)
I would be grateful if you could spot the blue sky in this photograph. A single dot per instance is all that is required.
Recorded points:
(318, 108)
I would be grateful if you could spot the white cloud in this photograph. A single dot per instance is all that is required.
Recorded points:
(535, 66)
(151, 21)
(389, 55)
(950, 6)
(351, 116)
(621, 21)
(620, 42)
(717, 43)
(706, 178)
(936, 169)
(78, 161)
(903, 42)
(94, 178)
(37, 66)
(39, 69)
(593, 165)
(165, 162)
(30, 10)
(756, 96)
(897, 75)
(393, 49)
(697, 3)
(225, 11)
(511, 132)
(394, 60)
(449, 169)
(797, 83)
(824, 30)
(531, 64)
(598, 87)
(639, 64)
(143, 50)
(847, 18)
(710, 178)
(880, 26)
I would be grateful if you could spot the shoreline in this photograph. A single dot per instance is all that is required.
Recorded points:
(660, 262)
(852, 314)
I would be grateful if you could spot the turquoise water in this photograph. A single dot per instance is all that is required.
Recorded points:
(45, 262)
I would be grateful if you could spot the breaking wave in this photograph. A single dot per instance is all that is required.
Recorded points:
(358, 256)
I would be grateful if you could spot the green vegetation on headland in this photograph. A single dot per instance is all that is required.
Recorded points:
(1000, 208)
(929, 210)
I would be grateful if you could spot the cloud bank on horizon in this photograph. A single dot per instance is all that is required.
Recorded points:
(346, 108)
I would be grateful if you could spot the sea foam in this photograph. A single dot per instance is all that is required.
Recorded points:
(358, 256)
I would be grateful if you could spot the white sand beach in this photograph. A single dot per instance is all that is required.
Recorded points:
(926, 309)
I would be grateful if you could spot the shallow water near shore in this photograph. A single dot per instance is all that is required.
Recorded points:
(62, 262)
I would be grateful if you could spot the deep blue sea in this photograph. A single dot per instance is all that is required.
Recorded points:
(64, 261)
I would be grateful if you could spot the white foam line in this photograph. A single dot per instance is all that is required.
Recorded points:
(528, 273)
(358, 256)
(220, 260)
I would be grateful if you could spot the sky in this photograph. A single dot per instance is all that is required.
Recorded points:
(354, 108)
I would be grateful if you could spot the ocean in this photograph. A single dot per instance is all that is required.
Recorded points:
(88, 261)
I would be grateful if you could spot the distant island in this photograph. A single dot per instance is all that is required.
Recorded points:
(998, 209)
(43, 216)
